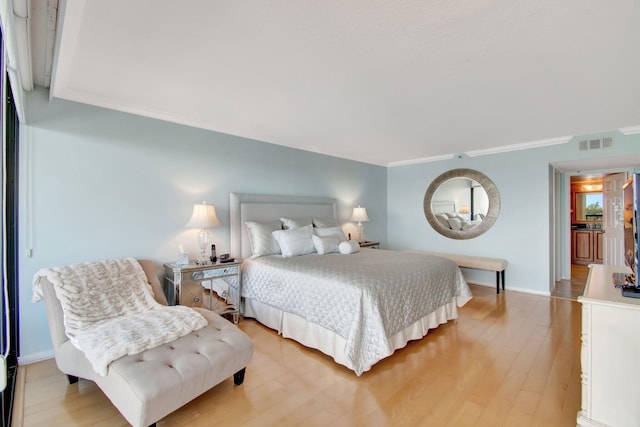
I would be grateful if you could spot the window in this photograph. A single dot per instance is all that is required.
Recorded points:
(589, 206)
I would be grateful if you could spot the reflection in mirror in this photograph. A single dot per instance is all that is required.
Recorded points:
(462, 196)
(461, 203)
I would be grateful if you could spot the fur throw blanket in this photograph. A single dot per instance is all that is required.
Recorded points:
(109, 310)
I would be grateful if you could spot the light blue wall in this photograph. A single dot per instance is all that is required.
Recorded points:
(521, 233)
(98, 184)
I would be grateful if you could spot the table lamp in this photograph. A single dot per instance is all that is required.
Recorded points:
(203, 217)
(360, 214)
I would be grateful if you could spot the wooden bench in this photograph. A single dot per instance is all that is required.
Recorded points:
(498, 265)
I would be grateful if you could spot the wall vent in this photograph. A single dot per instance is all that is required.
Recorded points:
(595, 144)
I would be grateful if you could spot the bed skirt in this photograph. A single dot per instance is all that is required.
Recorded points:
(315, 336)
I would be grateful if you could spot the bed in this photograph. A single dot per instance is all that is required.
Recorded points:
(357, 308)
(445, 213)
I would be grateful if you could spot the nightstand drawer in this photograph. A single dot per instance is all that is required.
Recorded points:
(209, 274)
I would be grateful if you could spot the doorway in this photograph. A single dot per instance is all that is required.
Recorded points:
(586, 232)
(568, 278)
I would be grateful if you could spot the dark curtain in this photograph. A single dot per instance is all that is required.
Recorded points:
(9, 268)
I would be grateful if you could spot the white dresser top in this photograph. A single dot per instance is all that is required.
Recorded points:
(600, 289)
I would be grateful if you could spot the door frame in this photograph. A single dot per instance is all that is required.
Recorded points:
(560, 213)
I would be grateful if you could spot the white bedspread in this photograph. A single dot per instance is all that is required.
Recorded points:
(109, 310)
(364, 297)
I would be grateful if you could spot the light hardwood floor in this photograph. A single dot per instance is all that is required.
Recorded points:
(573, 288)
(509, 360)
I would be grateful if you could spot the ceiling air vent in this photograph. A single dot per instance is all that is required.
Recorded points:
(595, 144)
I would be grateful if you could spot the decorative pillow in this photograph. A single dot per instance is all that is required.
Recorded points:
(455, 224)
(262, 241)
(325, 245)
(324, 222)
(443, 219)
(296, 241)
(467, 224)
(349, 247)
(450, 214)
(331, 231)
(290, 223)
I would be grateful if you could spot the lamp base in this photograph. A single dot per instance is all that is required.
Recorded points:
(203, 241)
(360, 233)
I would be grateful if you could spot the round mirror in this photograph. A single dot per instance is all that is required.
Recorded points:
(461, 203)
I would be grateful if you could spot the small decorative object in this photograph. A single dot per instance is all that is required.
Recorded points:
(203, 217)
(360, 214)
(213, 257)
(182, 258)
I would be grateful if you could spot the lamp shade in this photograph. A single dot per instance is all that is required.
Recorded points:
(359, 214)
(203, 216)
(464, 209)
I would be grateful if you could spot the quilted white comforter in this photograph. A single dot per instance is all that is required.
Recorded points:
(366, 297)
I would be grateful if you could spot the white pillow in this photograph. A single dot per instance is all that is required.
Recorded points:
(443, 219)
(262, 241)
(324, 222)
(349, 247)
(289, 223)
(467, 224)
(455, 224)
(325, 245)
(331, 231)
(295, 242)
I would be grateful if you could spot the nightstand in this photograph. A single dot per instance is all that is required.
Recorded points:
(370, 244)
(215, 287)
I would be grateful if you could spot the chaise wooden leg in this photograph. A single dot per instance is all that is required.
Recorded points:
(238, 377)
(72, 379)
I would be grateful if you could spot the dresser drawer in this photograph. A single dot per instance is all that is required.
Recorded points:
(216, 272)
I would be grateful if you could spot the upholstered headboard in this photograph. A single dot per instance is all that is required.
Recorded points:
(442, 206)
(261, 207)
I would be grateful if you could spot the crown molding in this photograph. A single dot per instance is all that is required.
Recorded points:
(522, 146)
(487, 151)
(631, 130)
(421, 160)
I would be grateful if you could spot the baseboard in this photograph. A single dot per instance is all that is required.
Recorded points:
(36, 357)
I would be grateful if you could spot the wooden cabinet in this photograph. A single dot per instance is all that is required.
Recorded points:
(598, 242)
(610, 348)
(587, 246)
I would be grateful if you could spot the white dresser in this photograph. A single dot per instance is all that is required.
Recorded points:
(610, 353)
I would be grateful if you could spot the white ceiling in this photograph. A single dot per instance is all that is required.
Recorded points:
(383, 82)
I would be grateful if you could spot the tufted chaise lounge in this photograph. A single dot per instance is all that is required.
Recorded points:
(150, 385)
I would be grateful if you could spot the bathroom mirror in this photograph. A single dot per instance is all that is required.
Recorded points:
(461, 203)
